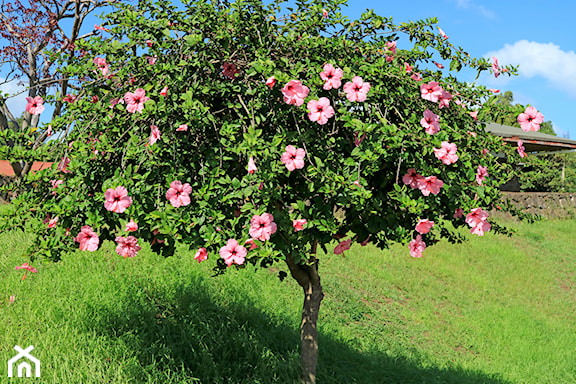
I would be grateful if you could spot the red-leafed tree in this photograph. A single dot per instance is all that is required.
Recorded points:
(34, 33)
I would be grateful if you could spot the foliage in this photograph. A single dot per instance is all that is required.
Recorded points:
(354, 164)
(549, 173)
(34, 33)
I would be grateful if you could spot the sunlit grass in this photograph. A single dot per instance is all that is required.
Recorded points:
(491, 310)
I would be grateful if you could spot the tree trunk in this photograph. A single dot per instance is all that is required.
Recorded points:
(307, 277)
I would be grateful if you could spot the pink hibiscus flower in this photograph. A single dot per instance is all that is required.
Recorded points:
(324, 13)
(495, 66)
(63, 165)
(251, 166)
(131, 226)
(430, 122)
(365, 242)
(262, 227)
(151, 59)
(52, 223)
(294, 92)
(424, 226)
(477, 220)
(481, 174)
(416, 76)
(343, 246)
(26, 267)
(357, 89)
(154, 134)
(182, 128)
(34, 105)
(444, 99)
(530, 120)
(430, 184)
(293, 158)
(149, 43)
(476, 216)
(232, 252)
(440, 66)
(229, 70)
(201, 255)
(521, 149)
(320, 110)
(127, 246)
(358, 140)
(458, 213)
(299, 224)
(390, 48)
(411, 178)
(431, 91)
(88, 239)
(271, 81)
(251, 243)
(474, 115)
(97, 27)
(408, 68)
(56, 183)
(442, 33)
(480, 228)
(446, 153)
(135, 101)
(332, 77)
(179, 194)
(69, 98)
(117, 200)
(417, 246)
(164, 91)
(102, 65)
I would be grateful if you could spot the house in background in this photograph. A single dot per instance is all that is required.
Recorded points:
(7, 175)
(533, 141)
(6, 168)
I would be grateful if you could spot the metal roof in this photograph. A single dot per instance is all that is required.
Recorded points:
(533, 141)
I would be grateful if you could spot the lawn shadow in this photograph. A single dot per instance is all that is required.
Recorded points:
(179, 333)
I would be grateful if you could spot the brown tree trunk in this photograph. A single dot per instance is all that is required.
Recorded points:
(307, 277)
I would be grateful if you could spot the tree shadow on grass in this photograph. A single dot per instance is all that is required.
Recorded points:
(186, 337)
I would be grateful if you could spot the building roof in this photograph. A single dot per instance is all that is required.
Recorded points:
(533, 141)
(6, 168)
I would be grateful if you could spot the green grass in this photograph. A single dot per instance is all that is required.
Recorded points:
(492, 310)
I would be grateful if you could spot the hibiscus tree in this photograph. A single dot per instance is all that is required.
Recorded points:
(279, 163)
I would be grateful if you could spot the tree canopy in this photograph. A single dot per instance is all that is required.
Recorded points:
(255, 137)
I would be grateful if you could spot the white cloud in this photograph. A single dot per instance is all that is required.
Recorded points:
(560, 132)
(544, 60)
(469, 4)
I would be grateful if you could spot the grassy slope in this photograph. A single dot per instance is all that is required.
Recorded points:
(493, 310)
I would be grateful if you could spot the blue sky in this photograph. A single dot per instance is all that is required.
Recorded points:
(536, 35)
(533, 34)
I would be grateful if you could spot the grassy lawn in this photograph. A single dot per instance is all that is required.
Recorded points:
(492, 310)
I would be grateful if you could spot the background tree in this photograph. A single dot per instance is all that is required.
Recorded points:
(34, 33)
(537, 172)
(257, 138)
